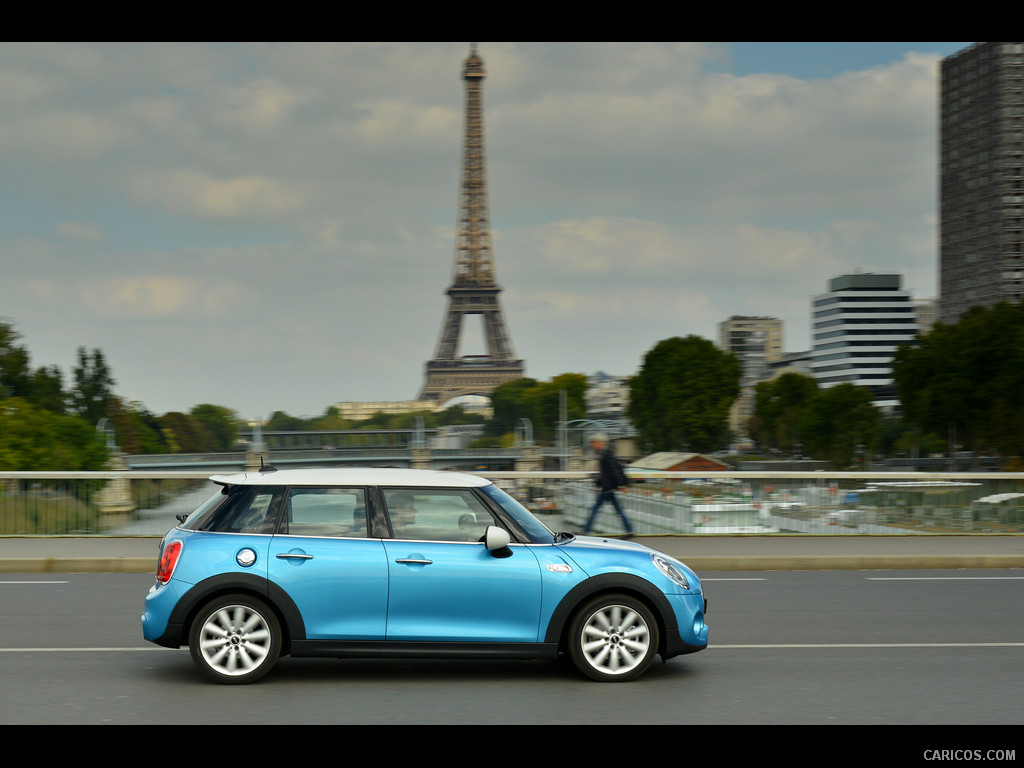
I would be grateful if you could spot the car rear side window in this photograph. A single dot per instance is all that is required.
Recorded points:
(247, 509)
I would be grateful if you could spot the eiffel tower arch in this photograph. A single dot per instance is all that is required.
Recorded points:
(473, 290)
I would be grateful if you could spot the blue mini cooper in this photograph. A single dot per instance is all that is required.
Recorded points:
(407, 563)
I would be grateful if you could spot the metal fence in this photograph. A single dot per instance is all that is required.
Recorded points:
(143, 503)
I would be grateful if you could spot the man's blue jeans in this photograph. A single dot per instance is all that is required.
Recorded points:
(602, 497)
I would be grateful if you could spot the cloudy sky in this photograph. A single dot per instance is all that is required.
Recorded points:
(270, 226)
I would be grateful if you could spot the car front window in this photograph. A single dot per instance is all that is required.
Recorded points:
(534, 528)
(436, 514)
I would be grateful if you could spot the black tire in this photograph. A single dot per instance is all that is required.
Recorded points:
(613, 638)
(235, 639)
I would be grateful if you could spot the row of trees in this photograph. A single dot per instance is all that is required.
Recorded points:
(46, 426)
(793, 416)
(539, 401)
(331, 419)
(961, 384)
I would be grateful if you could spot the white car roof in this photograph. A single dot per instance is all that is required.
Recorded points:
(354, 477)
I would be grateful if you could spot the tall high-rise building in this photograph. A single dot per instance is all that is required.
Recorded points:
(856, 328)
(981, 185)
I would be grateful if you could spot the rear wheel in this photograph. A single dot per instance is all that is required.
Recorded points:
(235, 639)
(613, 638)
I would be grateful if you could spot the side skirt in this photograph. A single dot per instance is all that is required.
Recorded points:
(347, 649)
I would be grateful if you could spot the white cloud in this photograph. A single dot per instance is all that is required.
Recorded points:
(193, 193)
(156, 296)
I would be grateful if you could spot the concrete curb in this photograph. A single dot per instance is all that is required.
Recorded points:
(78, 565)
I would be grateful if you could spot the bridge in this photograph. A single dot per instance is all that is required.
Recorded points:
(475, 459)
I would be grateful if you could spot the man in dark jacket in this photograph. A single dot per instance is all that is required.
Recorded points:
(610, 478)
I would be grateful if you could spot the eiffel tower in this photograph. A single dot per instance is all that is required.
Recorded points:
(473, 290)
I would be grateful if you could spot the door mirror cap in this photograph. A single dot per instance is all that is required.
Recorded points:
(496, 539)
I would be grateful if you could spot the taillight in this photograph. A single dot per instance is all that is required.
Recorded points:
(168, 559)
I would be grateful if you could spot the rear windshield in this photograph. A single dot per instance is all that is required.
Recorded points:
(238, 509)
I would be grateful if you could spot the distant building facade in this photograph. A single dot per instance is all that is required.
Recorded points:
(607, 397)
(361, 410)
(757, 343)
(856, 328)
(927, 312)
(796, 362)
(981, 185)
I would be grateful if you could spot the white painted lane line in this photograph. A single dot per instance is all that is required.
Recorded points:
(944, 578)
(742, 646)
(78, 650)
(866, 645)
(34, 582)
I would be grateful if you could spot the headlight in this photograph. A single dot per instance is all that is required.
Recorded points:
(671, 569)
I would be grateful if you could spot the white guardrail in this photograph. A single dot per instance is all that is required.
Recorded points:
(144, 503)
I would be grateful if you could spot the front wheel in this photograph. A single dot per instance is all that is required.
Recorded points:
(235, 639)
(613, 638)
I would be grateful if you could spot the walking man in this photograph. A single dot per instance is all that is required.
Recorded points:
(610, 478)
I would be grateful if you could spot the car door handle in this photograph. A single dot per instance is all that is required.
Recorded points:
(294, 556)
(414, 560)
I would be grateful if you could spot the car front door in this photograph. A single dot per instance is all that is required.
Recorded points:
(444, 583)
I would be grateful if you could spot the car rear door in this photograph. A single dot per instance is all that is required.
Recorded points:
(325, 560)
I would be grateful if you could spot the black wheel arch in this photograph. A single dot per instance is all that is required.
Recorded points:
(184, 613)
(617, 583)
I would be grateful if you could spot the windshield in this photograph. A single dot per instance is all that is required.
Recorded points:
(534, 528)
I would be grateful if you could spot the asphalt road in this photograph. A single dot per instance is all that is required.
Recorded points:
(942, 647)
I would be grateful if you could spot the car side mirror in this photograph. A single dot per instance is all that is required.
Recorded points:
(497, 540)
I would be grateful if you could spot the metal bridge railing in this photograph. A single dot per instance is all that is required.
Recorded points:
(144, 503)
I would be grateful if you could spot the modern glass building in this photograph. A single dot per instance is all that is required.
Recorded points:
(981, 184)
(856, 328)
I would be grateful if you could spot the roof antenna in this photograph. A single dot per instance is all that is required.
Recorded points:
(266, 467)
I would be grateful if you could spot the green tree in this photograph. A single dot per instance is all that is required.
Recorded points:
(93, 391)
(47, 389)
(540, 402)
(220, 423)
(43, 387)
(510, 402)
(136, 430)
(185, 434)
(280, 421)
(34, 439)
(332, 420)
(682, 395)
(842, 425)
(780, 406)
(15, 375)
(965, 381)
